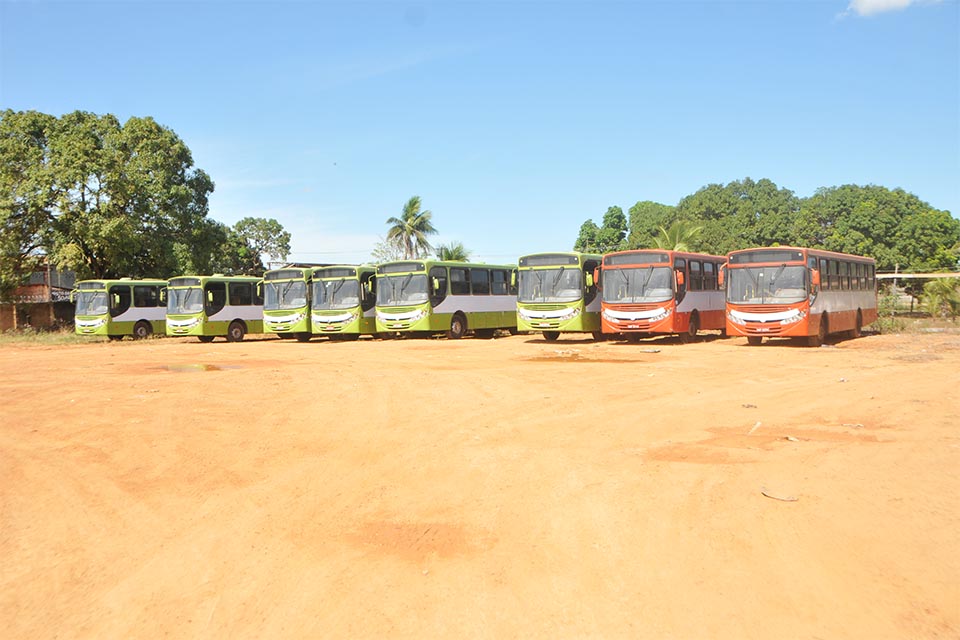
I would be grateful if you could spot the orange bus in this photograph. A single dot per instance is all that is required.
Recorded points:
(655, 291)
(789, 292)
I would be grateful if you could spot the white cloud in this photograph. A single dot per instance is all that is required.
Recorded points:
(871, 7)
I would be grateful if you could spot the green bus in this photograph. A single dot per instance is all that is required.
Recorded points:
(343, 305)
(286, 302)
(217, 305)
(117, 308)
(557, 294)
(424, 297)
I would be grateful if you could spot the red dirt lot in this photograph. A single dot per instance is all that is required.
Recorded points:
(480, 489)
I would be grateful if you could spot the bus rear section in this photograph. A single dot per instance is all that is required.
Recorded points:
(649, 292)
(117, 308)
(421, 297)
(789, 292)
(344, 300)
(557, 294)
(212, 306)
(286, 302)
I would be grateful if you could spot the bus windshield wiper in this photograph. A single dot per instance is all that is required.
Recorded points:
(556, 278)
(336, 288)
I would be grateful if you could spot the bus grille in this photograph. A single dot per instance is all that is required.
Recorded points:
(398, 309)
(644, 306)
(762, 308)
(545, 307)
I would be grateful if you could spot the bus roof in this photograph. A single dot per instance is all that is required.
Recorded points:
(408, 266)
(781, 254)
(102, 283)
(557, 258)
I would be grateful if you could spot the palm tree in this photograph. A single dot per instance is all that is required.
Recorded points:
(455, 252)
(410, 230)
(678, 237)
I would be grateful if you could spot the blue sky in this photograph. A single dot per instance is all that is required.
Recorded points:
(514, 121)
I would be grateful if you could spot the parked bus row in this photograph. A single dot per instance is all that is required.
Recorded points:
(774, 292)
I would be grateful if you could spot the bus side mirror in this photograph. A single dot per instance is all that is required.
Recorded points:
(436, 284)
(72, 294)
(721, 276)
(596, 277)
(589, 280)
(513, 278)
(163, 296)
(815, 277)
(680, 278)
(210, 297)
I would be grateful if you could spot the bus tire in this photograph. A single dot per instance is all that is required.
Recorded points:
(458, 326)
(822, 331)
(551, 336)
(303, 336)
(236, 331)
(633, 338)
(857, 330)
(754, 341)
(205, 339)
(142, 330)
(693, 327)
(598, 336)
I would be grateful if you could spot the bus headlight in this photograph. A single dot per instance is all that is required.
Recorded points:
(797, 317)
(665, 312)
(732, 317)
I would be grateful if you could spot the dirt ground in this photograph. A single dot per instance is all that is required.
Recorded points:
(481, 489)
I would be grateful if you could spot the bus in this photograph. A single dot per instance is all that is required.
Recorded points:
(117, 308)
(286, 302)
(423, 297)
(217, 305)
(789, 292)
(655, 291)
(557, 294)
(344, 301)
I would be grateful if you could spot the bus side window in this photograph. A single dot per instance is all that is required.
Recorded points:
(696, 276)
(216, 297)
(709, 277)
(119, 300)
(499, 286)
(824, 274)
(480, 282)
(589, 292)
(459, 281)
(241, 293)
(146, 296)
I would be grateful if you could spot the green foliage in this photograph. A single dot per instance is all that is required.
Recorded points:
(26, 194)
(454, 252)
(411, 229)
(646, 218)
(610, 237)
(681, 236)
(386, 251)
(887, 320)
(941, 297)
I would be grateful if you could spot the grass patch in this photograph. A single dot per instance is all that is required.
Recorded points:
(53, 337)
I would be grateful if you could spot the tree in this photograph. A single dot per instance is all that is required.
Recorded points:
(26, 195)
(680, 236)
(646, 218)
(941, 297)
(411, 229)
(386, 251)
(587, 240)
(262, 237)
(125, 196)
(454, 252)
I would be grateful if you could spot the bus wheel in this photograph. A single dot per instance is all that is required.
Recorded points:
(551, 336)
(634, 337)
(598, 336)
(857, 330)
(690, 334)
(205, 338)
(235, 331)
(821, 337)
(458, 327)
(303, 336)
(754, 341)
(142, 330)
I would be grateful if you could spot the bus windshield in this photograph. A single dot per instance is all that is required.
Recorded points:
(399, 290)
(91, 303)
(336, 294)
(188, 300)
(645, 284)
(550, 285)
(767, 285)
(288, 294)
